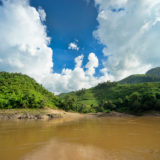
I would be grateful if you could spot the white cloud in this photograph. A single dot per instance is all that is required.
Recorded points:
(78, 61)
(130, 31)
(42, 14)
(92, 64)
(131, 36)
(24, 47)
(77, 78)
(24, 43)
(73, 46)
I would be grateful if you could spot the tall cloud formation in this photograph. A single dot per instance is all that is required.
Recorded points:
(130, 30)
(23, 40)
(24, 47)
(78, 78)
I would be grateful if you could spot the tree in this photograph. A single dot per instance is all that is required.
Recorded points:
(70, 103)
(135, 103)
(109, 105)
(148, 101)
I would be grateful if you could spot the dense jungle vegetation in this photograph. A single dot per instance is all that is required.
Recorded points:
(21, 91)
(109, 96)
(134, 94)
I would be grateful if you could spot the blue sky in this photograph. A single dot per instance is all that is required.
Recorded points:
(127, 32)
(68, 21)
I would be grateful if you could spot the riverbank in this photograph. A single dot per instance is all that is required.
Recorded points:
(38, 114)
(34, 114)
(49, 114)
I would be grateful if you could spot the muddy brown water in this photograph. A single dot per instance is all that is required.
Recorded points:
(107, 138)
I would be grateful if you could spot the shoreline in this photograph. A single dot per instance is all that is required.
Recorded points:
(27, 114)
(39, 114)
(50, 114)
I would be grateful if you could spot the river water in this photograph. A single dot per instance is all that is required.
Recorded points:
(107, 138)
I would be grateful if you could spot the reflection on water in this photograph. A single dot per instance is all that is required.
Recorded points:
(107, 138)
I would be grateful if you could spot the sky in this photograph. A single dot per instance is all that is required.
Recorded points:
(70, 22)
(75, 44)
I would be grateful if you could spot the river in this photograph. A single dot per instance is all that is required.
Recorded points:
(105, 138)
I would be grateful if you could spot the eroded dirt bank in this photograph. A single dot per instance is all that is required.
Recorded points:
(39, 114)
(48, 114)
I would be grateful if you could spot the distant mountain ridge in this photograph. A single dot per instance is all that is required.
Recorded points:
(152, 75)
(130, 95)
(155, 72)
(135, 94)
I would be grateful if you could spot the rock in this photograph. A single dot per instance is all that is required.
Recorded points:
(9, 115)
(51, 116)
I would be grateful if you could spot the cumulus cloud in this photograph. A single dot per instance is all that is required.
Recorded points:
(24, 43)
(92, 64)
(78, 61)
(24, 47)
(42, 14)
(73, 46)
(130, 31)
(78, 78)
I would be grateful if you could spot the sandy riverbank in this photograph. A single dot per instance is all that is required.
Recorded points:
(48, 114)
(36, 114)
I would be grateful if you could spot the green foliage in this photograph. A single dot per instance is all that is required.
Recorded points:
(152, 75)
(21, 91)
(106, 84)
(108, 105)
(135, 94)
(139, 78)
(155, 72)
(130, 98)
(70, 104)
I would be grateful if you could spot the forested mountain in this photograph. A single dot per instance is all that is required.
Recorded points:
(135, 94)
(152, 75)
(130, 98)
(139, 78)
(155, 72)
(20, 91)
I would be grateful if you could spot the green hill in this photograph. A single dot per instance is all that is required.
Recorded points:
(130, 98)
(152, 75)
(139, 78)
(155, 72)
(134, 94)
(21, 91)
